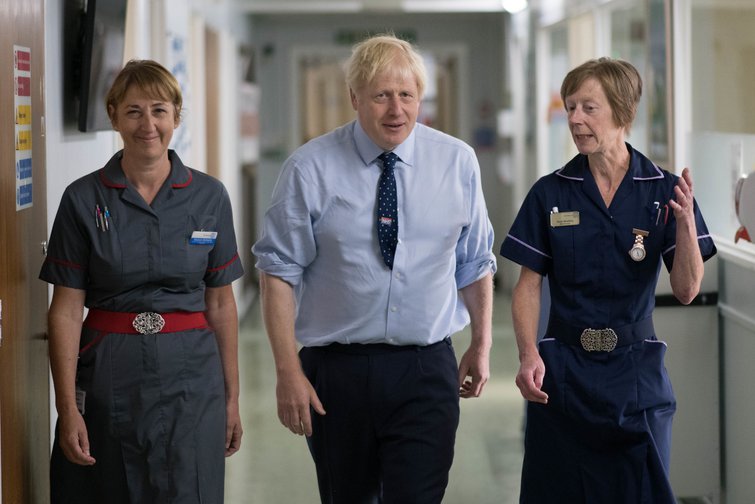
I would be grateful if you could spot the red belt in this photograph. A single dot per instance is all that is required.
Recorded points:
(143, 323)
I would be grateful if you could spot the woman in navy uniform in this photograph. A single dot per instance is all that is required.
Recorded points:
(147, 387)
(600, 402)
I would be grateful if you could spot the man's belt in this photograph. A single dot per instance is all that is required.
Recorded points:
(601, 340)
(143, 323)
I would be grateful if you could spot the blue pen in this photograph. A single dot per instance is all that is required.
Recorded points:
(107, 218)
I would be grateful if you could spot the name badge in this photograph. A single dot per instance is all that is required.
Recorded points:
(559, 219)
(203, 237)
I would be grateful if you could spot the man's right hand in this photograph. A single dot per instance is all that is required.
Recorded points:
(295, 396)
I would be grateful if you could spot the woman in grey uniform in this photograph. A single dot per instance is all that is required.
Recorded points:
(147, 386)
(600, 402)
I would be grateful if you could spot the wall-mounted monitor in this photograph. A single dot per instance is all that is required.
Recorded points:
(96, 38)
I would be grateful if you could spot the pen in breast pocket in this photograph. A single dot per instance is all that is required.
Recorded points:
(98, 216)
(101, 217)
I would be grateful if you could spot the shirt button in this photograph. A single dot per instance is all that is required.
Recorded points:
(394, 308)
(398, 275)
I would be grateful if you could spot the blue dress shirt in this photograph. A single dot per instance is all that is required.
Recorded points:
(319, 236)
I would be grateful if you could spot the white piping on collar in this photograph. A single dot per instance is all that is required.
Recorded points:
(658, 175)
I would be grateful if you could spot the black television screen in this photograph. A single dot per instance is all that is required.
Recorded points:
(98, 58)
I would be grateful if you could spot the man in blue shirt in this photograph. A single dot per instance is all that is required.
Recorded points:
(376, 385)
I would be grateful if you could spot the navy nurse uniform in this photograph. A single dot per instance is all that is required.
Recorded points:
(605, 434)
(154, 404)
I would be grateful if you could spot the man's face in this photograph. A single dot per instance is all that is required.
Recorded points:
(387, 108)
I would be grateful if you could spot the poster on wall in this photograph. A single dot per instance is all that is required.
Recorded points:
(22, 109)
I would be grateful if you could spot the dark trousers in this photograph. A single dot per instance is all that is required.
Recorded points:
(392, 413)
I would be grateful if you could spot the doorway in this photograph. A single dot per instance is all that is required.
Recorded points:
(24, 369)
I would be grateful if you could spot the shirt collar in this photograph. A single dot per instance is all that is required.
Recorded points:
(111, 175)
(369, 151)
(640, 167)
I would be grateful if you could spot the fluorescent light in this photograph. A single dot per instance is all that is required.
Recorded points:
(451, 5)
(298, 6)
(514, 6)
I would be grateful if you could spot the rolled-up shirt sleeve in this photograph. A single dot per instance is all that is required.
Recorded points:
(287, 244)
(474, 255)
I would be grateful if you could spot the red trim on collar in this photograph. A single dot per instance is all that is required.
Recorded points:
(185, 184)
(109, 183)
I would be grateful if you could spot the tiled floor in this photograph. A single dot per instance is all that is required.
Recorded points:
(274, 466)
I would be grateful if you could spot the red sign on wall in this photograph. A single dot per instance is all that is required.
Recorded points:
(23, 86)
(23, 61)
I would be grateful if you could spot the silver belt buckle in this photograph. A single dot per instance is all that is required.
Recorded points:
(148, 323)
(598, 340)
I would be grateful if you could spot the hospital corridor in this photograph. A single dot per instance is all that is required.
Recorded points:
(499, 94)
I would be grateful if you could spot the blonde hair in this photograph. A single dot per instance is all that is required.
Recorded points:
(149, 76)
(621, 83)
(381, 53)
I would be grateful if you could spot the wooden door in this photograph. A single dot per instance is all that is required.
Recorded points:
(24, 371)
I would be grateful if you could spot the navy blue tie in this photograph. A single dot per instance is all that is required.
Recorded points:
(387, 209)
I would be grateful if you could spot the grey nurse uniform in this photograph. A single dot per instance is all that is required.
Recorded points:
(154, 404)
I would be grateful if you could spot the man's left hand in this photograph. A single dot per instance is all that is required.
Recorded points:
(474, 372)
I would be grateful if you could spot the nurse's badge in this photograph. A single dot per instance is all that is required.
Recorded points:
(637, 253)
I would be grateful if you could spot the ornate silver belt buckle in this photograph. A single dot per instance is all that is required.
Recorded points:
(148, 323)
(598, 340)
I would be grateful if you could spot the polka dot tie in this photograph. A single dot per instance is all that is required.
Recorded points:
(387, 209)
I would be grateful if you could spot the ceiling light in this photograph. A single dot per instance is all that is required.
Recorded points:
(514, 6)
